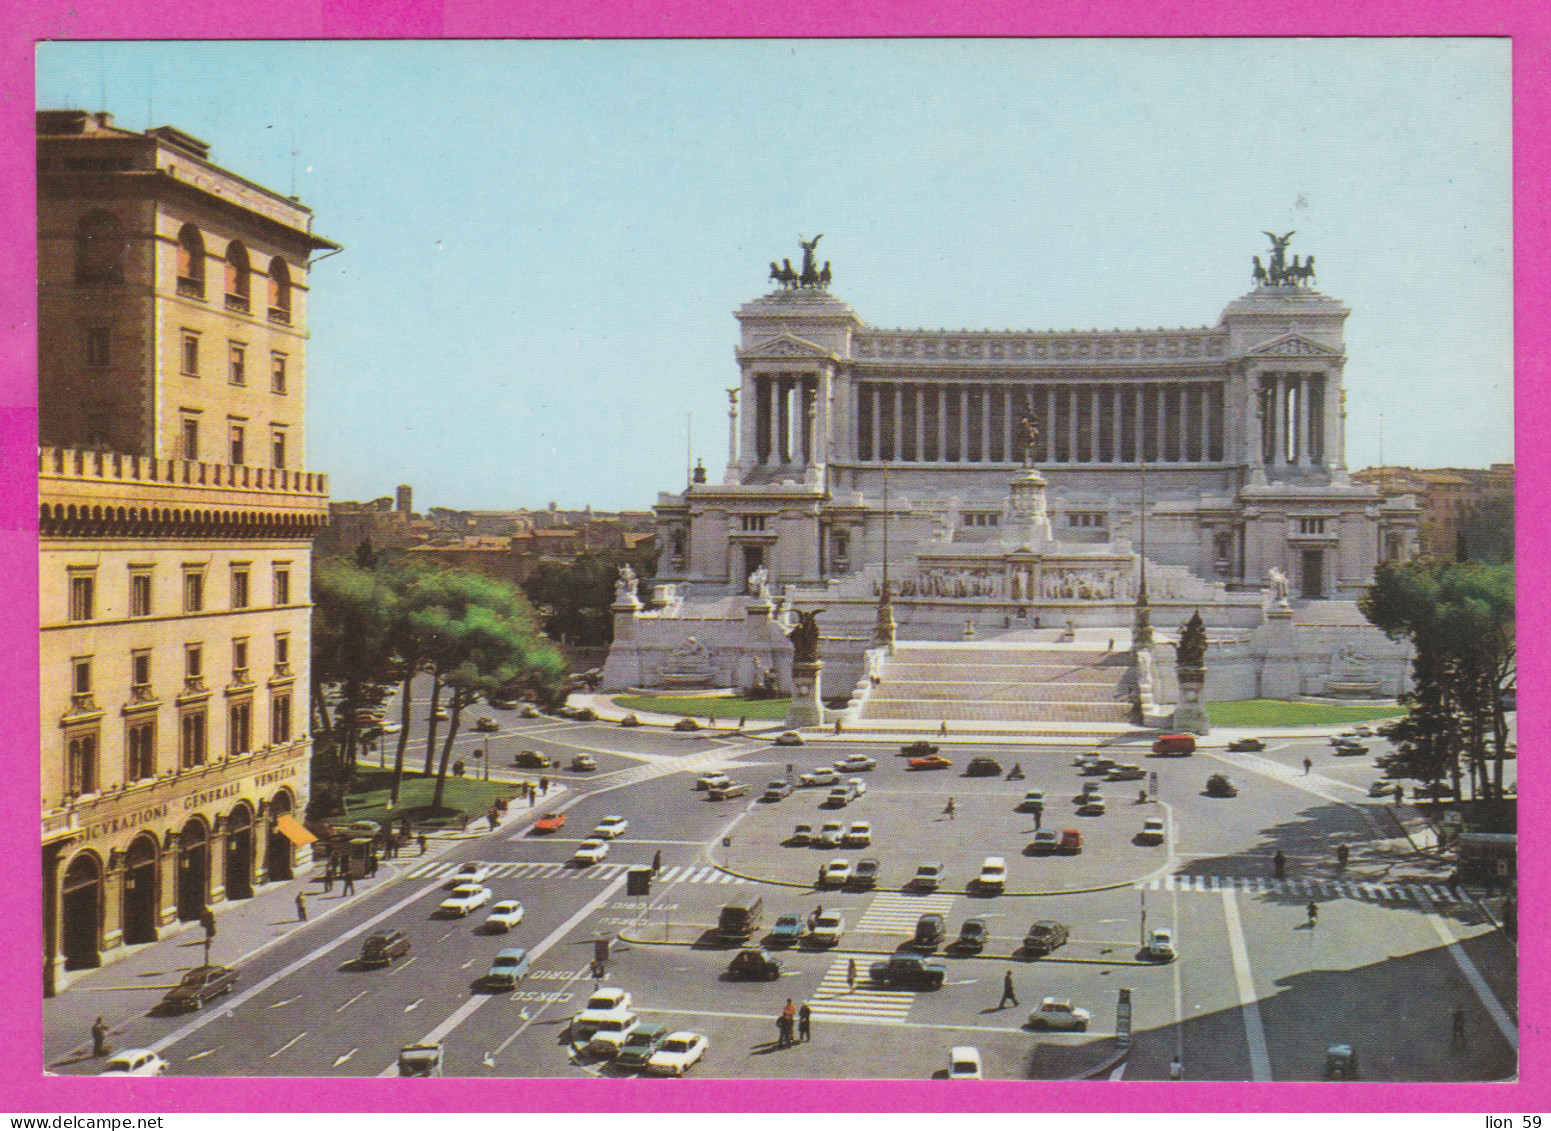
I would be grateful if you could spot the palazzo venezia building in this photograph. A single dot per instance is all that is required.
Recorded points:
(1238, 429)
(176, 516)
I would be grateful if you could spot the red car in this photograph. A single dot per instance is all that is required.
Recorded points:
(1175, 744)
(930, 762)
(550, 824)
(1071, 842)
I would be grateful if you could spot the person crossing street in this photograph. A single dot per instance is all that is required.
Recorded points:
(1007, 992)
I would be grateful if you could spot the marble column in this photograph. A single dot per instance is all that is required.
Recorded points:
(920, 394)
(1007, 411)
(985, 424)
(1161, 423)
(1095, 448)
(1050, 424)
(730, 476)
(940, 398)
(1279, 419)
(877, 421)
(1305, 450)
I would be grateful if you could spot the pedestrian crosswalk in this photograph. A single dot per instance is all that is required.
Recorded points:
(836, 1000)
(549, 869)
(899, 911)
(1304, 888)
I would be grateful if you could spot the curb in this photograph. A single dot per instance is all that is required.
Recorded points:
(1102, 1069)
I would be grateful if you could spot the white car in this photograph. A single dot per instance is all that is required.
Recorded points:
(858, 786)
(1160, 946)
(605, 1006)
(1152, 831)
(859, 834)
(464, 899)
(504, 915)
(821, 776)
(831, 834)
(611, 827)
(677, 1054)
(610, 1033)
(471, 873)
(712, 779)
(392, 728)
(827, 929)
(856, 763)
(836, 872)
(927, 877)
(1093, 805)
(135, 1062)
(964, 1063)
(993, 874)
(590, 852)
(1055, 1013)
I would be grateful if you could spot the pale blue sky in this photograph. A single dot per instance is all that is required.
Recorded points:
(545, 241)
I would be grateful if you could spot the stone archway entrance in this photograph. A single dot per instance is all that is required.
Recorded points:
(193, 869)
(140, 888)
(81, 913)
(277, 849)
(239, 853)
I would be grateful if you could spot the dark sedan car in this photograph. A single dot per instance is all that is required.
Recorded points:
(754, 964)
(983, 766)
(198, 986)
(972, 936)
(1246, 744)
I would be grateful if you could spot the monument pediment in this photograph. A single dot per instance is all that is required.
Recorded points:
(785, 345)
(1292, 345)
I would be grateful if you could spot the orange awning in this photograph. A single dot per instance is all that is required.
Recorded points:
(290, 828)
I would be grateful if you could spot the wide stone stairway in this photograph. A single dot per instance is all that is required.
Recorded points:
(1023, 685)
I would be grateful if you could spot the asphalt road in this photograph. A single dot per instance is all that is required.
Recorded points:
(1256, 993)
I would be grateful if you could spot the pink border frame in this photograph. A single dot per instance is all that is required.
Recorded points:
(22, 1091)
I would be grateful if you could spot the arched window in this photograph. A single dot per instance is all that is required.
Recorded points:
(238, 276)
(279, 291)
(99, 248)
(191, 262)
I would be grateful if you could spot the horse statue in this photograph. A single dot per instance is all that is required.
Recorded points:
(810, 268)
(825, 276)
(1258, 274)
(1306, 272)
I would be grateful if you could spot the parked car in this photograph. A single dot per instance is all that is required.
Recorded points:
(1246, 744)
(1125, 772)
(1045, 936)
(983, 765)
(864, 875)
(1045, 841)
(823, 775)
(1152, 831)
(1089, 788)
(786, 932)
(609, 1034)
(643, 1041)
(1363, 730)
(677, 1054)
(927, 877)
(972, 936)
(777, 789)
(1350, 749)
(1384, 788)
(993, 874)
(1058, 1013)
(382, 948)
(859, 835)
(391, 728)
(909, 970)
(198, 986)
(827, 929)
(1098, 765)
(802, 834)
(835, 873)
(532, 760)
(846, 792)
(856, 763)
(931, 930)
(1033, 799)
(471, 873)
(831, 834)
(930, 762)
(918, 749)
(421, 1060)
(549, 823)
(590, 852)
(630, 720)
(964, 1063)
(788, 738)
(134, 1062)
(464, 899)
(507, 968)
(1160, 946)
(1175, 744)
(485, 723)
(530, 712)
(610, 827)
(503, 916)
(1218, 785)
(754, 964)
(727, 790)
(583, 763)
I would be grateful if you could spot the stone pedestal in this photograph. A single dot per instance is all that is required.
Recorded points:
(1279, 676)
(807, 706)
(1028, 521)
(1189, 715)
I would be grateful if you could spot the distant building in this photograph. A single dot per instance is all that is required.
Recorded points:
(175, 518)
(1447, 496)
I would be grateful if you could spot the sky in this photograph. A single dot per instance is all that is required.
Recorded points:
(545, 241)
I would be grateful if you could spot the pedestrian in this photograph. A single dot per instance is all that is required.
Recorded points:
(783, 1031)
(1176, 1069)
(804, 1023)
(328, 879)
(463, 822)
(710, 722)
(371, 865)
(1111, 646)
(1511, 917)
(948, 809)
(349, 883)
(851, 974)
(788, 1020)
(942, 728)
(491, 816)
(1279, 863)
(1308, 764)
(1313, 910)
(837, 724)
(544, 786)
(741, 720)
(421, 839)
(656, 861)
(1007, 992)
(1457, 1033)
(100, 1037)
(1039, 815)
(207, 921)
(1343, 854)
(301, 907)
(533, 794)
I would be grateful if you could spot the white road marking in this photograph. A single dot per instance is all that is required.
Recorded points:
(207, 1052)
(1494, 1008)
(288, 1044)
(283, 1001)
(1254, 1029)
(347, 1004)
(346, 1057)
(414, 1005)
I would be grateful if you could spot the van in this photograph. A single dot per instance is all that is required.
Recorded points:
(1175, 744)
(741, 916)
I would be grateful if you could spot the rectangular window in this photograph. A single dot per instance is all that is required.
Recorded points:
(1311, 526)
(282, 648)
(238, 452)
(280, 719)
(140, 594)
(193, 661)
(190, 438)
(140, 669)
(239, 659)
(277, 448)
(193, 590)
(193, 748)
(97, 347)
(238, 371)
(81, 768)
(239, 737)
(277, 363)
(83, 596)
(81, 679)
(190, 353)
(282, 585)
(753, 522)
(142, 751)
(240, 588)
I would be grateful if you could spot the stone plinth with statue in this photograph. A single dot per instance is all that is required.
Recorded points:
(807, 705)
(1190, 671)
